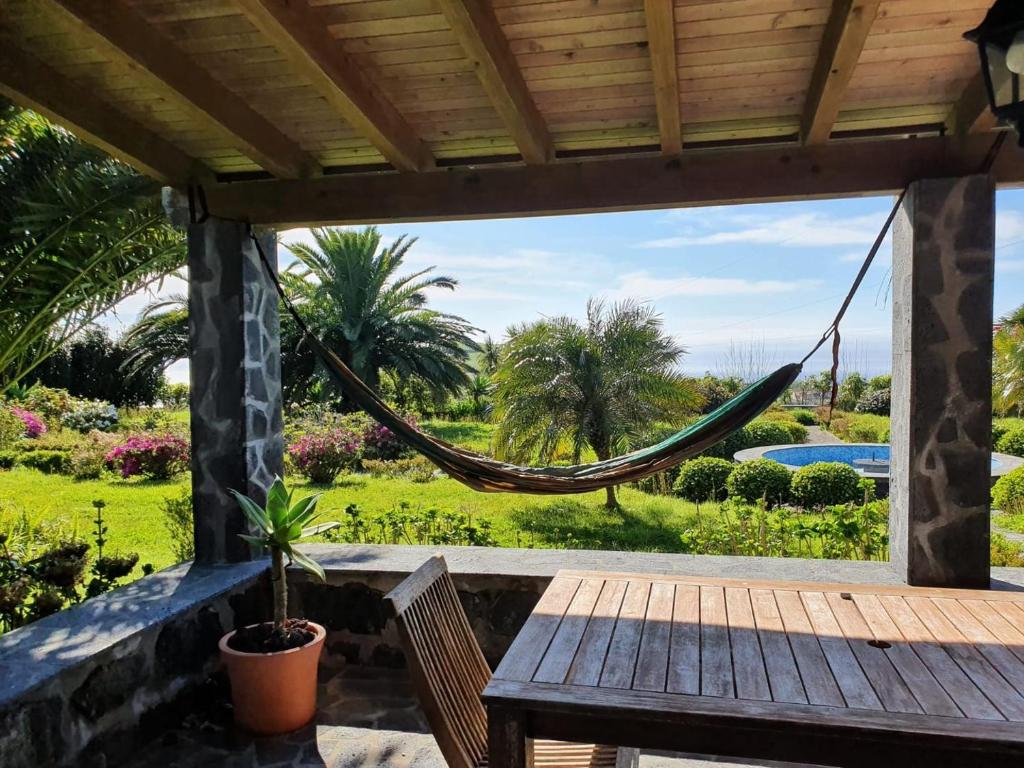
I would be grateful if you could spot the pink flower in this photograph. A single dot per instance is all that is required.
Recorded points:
(34, 426)
(323, 455)
(155, 456)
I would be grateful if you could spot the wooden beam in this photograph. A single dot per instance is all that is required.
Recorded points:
(661, 40)
(753, 175)
(126, 31)
(841, 45)
(481, 37)
(971, 113)
(29, 82)
(296, 32)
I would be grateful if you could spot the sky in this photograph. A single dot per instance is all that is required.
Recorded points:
(742, 288)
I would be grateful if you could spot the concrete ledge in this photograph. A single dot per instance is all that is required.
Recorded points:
(399, 560)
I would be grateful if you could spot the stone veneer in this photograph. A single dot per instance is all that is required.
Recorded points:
(943, 271)
(237, 426)
(88, 686)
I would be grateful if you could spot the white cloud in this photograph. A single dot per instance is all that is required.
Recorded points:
(801, 230)
(643, 285)
(1009, 227)
(1009, 266)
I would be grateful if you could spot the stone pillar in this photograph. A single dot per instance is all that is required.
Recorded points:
(237, 428)
(943, 257)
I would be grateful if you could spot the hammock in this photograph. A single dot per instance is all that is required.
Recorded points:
(486, 474)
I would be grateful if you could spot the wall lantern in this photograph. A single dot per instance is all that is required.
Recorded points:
(1000, 41)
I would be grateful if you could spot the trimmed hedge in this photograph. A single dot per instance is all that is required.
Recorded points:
(703, 479)
(1012, 442)
(825, 483)
(1008, 492)
(51, 462)
(807, 418)
(760, 479)
(764, 432)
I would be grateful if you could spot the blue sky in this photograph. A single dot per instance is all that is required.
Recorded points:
(741, 287)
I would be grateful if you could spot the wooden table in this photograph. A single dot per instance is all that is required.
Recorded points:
(821, 673)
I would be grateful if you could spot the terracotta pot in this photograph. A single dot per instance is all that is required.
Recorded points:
(274, 692)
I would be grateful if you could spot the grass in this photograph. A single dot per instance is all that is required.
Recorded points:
(474, 435)
(135, 520)
(1011, 522)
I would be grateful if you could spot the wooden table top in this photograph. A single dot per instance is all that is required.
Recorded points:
(927, 660)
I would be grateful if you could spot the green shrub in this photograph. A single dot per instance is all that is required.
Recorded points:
(180, 525)
(51, 462)
(861, 428)
(11, 427)
(1008, 492)
(703, 479)
(8, 459)
(1012, 442)
(766, 432)
(1005, 553)
(418, 469)
(807, 418)
(48, 402)
(797, 432)
(760, 480)
(825, 483)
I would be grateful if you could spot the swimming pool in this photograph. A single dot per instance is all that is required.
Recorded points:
(870, 459)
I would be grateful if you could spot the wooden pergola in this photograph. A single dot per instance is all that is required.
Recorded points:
(316, 111)
(286, 112)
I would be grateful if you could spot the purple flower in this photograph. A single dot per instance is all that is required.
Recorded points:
(34, 426)
(321, 456)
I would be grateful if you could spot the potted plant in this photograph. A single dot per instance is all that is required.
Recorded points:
(272, 666)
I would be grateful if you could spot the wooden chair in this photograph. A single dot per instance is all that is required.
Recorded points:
(449, 673)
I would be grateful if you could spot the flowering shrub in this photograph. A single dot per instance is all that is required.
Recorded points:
(34, 426)
(154, 456)
(379, 442)
(323, 455)
(88, 415)
(11, 428)
(48, 402)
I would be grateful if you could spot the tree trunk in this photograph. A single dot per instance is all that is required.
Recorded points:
(280, 586)
(610, 501)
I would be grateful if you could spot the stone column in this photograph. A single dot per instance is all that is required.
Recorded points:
(943, 257)
(237, 428)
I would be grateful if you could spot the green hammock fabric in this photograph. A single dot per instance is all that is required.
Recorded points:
(485, 474)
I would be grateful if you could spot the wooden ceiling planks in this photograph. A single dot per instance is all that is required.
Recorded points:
(594, 71)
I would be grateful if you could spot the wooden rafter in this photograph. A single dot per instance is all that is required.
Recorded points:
(481, 37)
(837, 169)
(26, 80)
(123, 29)
(841, 45)
(296, 32)
(971, 113)
(661, 39)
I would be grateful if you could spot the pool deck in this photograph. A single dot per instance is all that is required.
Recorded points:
(817, 436)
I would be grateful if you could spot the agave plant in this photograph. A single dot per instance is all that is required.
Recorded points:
(281, 523)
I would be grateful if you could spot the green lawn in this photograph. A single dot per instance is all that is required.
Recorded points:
(135, 521)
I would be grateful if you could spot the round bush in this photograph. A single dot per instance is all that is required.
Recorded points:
(807, 418)
(1008, 492)
(760, 479)
(876, 402)
(154, 456)
(703, 479)
(1012, 442)
(322, 456)
(764, 432)
(797, 432)
(825, 483)
(11, 427)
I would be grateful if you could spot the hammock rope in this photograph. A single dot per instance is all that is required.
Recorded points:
(483, 473)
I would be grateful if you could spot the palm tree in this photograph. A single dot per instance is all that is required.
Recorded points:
(79, 232)
(598, 385)
(159, 336)
(1008, 363)
(347, 288)
(490, 355)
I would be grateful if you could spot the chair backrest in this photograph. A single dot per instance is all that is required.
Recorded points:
(448, 669)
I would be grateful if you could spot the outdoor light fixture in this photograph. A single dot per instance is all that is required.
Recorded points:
(1000, 41)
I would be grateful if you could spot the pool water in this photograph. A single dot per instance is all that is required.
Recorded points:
(802, 455)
